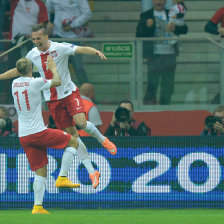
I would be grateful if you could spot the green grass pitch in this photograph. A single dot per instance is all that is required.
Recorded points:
(116, 216)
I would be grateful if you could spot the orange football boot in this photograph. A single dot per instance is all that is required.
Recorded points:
(111, 148)
(95, 178)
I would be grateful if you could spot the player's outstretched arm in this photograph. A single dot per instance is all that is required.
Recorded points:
(90, 51)
(56, 81)
(12, 73)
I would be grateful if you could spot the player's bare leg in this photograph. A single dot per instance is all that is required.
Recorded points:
(67, 159)
(87, 126)
(39, 186)
(68, 156)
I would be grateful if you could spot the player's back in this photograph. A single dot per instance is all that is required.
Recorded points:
(26, 92)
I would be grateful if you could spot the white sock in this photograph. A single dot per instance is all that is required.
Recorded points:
(67, 160)
(39, 186)
(82, 153)
(94, 132)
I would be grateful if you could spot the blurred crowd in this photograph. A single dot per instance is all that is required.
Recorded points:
(69, 19)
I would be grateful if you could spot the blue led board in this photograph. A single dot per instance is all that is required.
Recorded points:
(157, 172)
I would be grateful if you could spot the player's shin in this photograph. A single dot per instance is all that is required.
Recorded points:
(39, 186)
(67, 159)
(94, 132)
(82, 154)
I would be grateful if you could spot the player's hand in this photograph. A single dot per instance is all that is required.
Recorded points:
(50, 63)
(101, 55)
(170, 27)
(149, 22)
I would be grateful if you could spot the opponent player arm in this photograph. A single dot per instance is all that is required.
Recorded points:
(56, 81)
(90, 51)
(12, 73)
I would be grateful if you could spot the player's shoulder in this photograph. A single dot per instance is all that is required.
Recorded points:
(63, 48)
(15, 80)
(37, 83)
(38, 79)
(33, 52)
(63, 45)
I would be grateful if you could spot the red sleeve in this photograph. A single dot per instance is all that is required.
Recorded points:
(43, 16)
(218, 17)
(13, 4)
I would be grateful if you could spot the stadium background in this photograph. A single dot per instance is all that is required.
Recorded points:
(199, 78)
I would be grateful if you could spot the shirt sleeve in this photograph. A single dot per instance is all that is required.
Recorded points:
(218, 17)
(42, 83)
(85, 14)
(67, 48)
(28, 56)
(42, 16)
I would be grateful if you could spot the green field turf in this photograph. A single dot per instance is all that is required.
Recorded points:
(122, 216)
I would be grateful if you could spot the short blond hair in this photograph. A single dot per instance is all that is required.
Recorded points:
(24, 66)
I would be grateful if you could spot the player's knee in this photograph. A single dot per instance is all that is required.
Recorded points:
(42, 171)
(73, 142)
(81, 124)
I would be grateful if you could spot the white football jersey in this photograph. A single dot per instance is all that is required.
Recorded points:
(176, 9)
(26, 92)
(60, 52)
(25, 14)
(77, 10)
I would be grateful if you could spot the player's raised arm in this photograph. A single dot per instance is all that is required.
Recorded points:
(12, 73)
(89, 50)
(56, 81)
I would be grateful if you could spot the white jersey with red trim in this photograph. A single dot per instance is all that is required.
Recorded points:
(26, 92)
(25, 14)
(60, 52)
(76, 13)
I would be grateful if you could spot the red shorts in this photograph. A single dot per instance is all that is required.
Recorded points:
(62, 111)
(35, 145)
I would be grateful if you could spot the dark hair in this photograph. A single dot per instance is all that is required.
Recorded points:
(127, 101)
(38, 27)
(24, 66)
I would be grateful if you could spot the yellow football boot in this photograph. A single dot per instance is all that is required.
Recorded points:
(65, 182)
(38, 209)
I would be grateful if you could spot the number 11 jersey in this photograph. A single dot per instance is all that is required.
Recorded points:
(26, 92)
